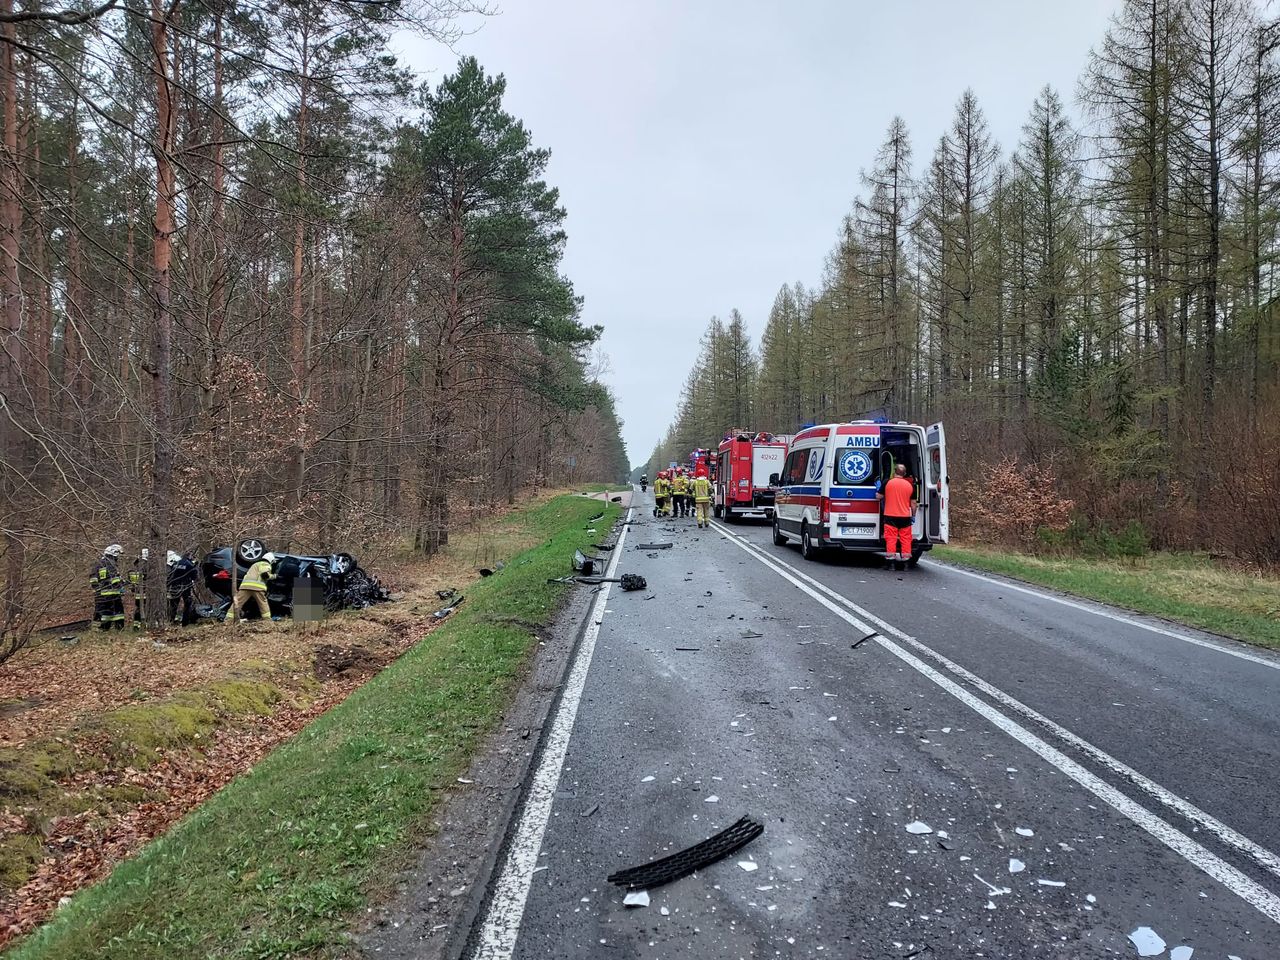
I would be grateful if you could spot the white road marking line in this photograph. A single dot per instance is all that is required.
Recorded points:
(1120, 618)
(1255, 851)
(1249, 890)
(510, 893)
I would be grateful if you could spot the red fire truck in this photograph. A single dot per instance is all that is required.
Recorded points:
(748, 468)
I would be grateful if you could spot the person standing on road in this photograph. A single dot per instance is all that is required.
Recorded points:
(681, 494)
(254, 587)
(899, 499)
(702, 499)
(108, 589)
(659, 494)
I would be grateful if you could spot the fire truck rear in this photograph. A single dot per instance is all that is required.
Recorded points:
(748, 468)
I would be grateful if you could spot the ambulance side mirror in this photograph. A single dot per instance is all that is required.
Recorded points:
(773, 479)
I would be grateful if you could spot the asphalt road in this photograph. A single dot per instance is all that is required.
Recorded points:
(1131, 774)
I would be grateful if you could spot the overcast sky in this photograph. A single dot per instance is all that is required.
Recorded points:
(706, 151)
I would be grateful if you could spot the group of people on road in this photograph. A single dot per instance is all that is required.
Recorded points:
(677, 494)
(111, 586)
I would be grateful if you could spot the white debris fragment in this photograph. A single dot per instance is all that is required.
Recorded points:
(1147, 941)
(1010, 769)
(1181, 953)
(1024, 832)
(664, 911)
(636, 898)
(946, 729)
(648, 779)
(944, 835)
(994, 890)
(764, 889)
(749, 865)
(830, 719)
(918, 827)
(1091, 898)
(1051, 883)
(465, 780)
(711, 799)
(1016, 866)
(899, 905)
(990, 905)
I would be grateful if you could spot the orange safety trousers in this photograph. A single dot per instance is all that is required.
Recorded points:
(897, 540)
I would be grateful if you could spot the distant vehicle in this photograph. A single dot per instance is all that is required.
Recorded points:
(833, 473)
(747, 473)
(339, 575)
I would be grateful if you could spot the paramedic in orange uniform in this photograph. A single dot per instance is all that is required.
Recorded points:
(899, 498)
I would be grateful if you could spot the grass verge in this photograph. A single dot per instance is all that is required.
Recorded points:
(276, 864)
(1187, 588)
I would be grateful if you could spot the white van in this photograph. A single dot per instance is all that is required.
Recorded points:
(827, 495)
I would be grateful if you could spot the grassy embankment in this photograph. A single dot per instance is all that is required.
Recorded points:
(1186, 588)
(277, 863)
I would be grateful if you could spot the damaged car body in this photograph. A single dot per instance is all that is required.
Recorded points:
(346, 585)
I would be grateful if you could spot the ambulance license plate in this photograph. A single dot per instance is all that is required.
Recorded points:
(858, 531)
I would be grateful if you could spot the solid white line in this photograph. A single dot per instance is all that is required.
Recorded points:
(1249, 890)
(1258, 853)
(506, 907)
(1121, 618)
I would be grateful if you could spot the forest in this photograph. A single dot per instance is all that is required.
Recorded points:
(255, 278)
(1093, 309)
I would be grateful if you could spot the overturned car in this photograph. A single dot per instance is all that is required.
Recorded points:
(344, 583)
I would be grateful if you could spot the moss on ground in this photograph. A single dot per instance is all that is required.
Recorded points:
(30, 773)
(20, 854)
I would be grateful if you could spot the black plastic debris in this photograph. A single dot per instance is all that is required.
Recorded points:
(594, 519)
(355, 591)
(668, 869)
(633, 581)
(485, 572)
(447, 594)
(584, 564)
(604, 546)
(855, 646)
(654, 546)
(615, 499)
(448, 608)
(750, 634)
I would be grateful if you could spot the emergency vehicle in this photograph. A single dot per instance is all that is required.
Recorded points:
(746, 478)
(828, 497)
(702, 460)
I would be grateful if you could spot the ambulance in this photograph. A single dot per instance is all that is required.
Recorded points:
(827, 493)
(746, 477)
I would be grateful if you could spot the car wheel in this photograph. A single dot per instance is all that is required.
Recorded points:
(914, 561)
(778, 539)
(250, 550)
(717, 510)
(340, 564)
(808, 549)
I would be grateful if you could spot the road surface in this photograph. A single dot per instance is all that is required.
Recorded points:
(1082, 773)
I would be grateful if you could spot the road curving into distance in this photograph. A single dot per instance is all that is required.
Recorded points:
(1082, 773)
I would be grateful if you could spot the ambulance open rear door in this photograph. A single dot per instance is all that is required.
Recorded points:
(939, 519)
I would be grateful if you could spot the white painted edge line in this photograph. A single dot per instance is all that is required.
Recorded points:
(1249, 890)
(511, 892)
(1255, 851)
(1119, 618)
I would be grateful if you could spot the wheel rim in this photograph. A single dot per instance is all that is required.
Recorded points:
(251, 549)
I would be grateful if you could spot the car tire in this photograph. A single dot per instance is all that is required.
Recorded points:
(778, 539)
(717, 510)
(250, 550)
(914, 561)
(808, 549)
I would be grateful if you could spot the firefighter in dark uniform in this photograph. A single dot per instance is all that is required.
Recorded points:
(180, 585)
(108, 589)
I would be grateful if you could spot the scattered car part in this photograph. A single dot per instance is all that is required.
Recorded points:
(855, 646)
(447, 594)
(654, 546)
(604, 546)
(677, 865)
(250, 550)
(615, 499)
(584, 564)
(448, 608)
(750, 634)
(485, 572)
(633, 581)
